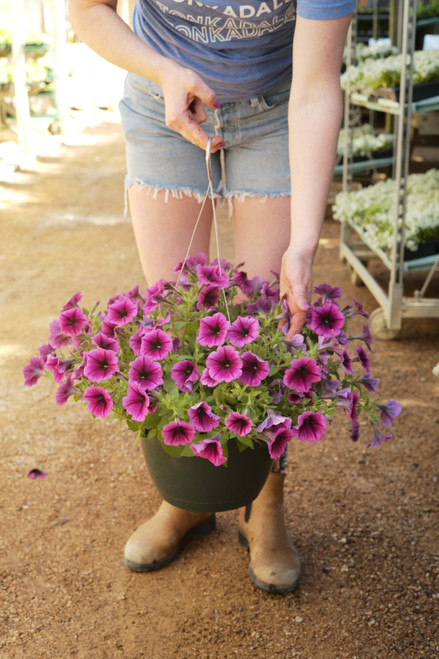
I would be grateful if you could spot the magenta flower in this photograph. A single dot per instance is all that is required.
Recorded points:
(106, 342)
(33, 371)
(191, 262)
(389, 411)
(153, 296)
(36, 474)
(135, 340)
(240, 424)
(178, 433)
(156, 344)
(208, 297)
(243, 330)
(363, 357)
(327, 320)
(212, 275)
(202, 417)
(207, 380)
(146, 372)
(73, 302)
(72, 321)
(136, 402)
(224, 364)
(58, 338)
(101, 364)
(45, 350)
(346, 361)
(184, 373)
(254, 369)
(213, 330)
(310, 427)
(98, 400)
(65, 390)
(121, 312)
(58, 366)
(355, 431)
(302, 373)
(210, 449)
(276, 447)
(248, 286)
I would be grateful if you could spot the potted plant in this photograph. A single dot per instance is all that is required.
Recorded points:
(201, 371)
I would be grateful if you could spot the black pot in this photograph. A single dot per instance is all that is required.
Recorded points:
(194, 483)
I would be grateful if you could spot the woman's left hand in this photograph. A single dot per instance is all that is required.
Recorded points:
(296, 286)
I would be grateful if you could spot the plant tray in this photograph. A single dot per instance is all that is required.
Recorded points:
(421, 91)
(375, 155)
(429, 248)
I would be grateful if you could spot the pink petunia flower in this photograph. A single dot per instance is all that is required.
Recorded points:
(122, 312)
(327, 320)
(277, 446)
(33, 371)
(302, 373)
(202, 417)
(310, 427)
(73, 302)
(65, 390)
(184, 373)
(136, 402)
(211, 450)
(72, 321)
(58, 366)
(146, 372)
(213, 330)
(224, 364)
(99, 401)
(58, 338)
(155, 343)
(212, 274)
(240, 424)
(208, 297)
(178, 433)
(207, 380)
(106, 342)
(153, 296)
(243, 330)
(254, 369)
(101, 364)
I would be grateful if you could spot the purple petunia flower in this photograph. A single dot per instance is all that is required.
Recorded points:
(122, 312)
(213, 275)
(254, 369)
(240, 424)
(363, 357)
(191, 262)
(106, 342)
(273, 422)
(45, 350)
(65, 390)
(101, 364)
(33, 371)
(327, 320)
(202, 417)
(156, 344)
(178, 433)
(355, 431)
(224, 364)
(146, 372)
(208, 297)
(302, 373)
(276, 447)
(213, 330)
(184, 373)
(353, 411)
(378, 437)
(389, 411)
(136, 402)
(210, 449)
(98, 400)
(248, 286)
(346, 361)
(58, 338)
(328, 292)
(207, 380)
(243, 330)
(72, 321)
(368, 382)
(310, 427)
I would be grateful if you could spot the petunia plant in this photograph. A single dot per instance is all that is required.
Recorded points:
(205, 360)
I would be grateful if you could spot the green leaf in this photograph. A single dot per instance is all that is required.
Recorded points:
(151, 420)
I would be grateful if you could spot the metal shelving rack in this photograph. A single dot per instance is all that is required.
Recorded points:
(386, 321)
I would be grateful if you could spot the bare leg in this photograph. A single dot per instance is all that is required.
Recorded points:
(163, 231)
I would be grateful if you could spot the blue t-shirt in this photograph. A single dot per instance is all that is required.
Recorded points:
(240, 49)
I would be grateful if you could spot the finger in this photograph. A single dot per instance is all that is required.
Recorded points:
(297, 323)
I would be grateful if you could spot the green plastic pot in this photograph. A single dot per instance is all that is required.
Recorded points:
(196, 484)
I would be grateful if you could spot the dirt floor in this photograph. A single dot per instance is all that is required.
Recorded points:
(365, 521)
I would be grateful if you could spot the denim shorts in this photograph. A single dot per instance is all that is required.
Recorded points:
(254, 160)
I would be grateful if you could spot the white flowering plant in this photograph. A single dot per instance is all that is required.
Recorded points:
(205, 359)
(365, 141)
(372, 210)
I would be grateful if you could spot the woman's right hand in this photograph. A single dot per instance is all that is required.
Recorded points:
(185, 95)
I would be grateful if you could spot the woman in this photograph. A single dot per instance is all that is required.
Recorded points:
(224, 68)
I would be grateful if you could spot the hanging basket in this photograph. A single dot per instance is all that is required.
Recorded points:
(196, 484)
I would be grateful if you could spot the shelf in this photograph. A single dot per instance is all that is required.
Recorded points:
(366, 165)
(389, 106)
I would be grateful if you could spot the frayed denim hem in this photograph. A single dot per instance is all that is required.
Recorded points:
(174, 193)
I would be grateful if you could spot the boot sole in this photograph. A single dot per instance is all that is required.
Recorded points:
(198, 531)
(263, 585)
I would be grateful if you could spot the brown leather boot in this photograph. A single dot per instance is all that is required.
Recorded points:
(157, 542)
(274, 561)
